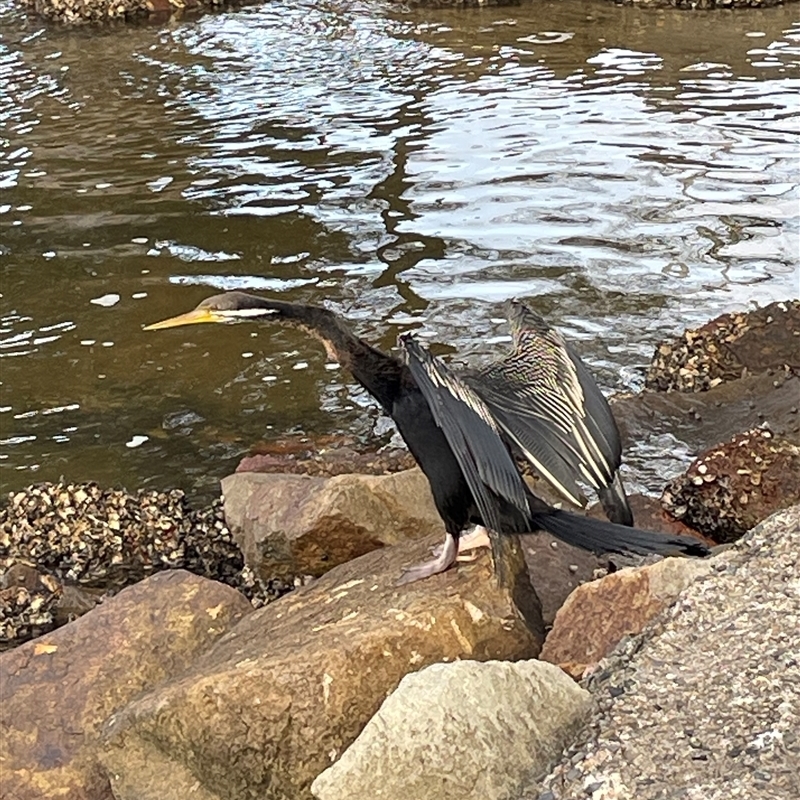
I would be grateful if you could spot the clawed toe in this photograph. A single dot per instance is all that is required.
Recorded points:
(445, 559)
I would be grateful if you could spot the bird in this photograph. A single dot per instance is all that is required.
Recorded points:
(452, 433)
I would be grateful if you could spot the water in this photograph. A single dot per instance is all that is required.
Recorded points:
(635, 172)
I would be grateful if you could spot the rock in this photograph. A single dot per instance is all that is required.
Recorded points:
(104, 539)
(556, 568)
(730, 488)
(280, 697)
(656, 419)
(28, 604)
(324, 456)
(464, 730)
(33, 603)
(729, 347)
(706, 703)
(297, 524)
(96, 537)
(59, 689)
(75, 602)
(597, 615)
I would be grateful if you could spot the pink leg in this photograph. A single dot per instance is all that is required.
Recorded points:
(477, 537)
(439, 564)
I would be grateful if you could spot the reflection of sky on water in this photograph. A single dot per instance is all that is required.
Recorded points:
(597, 171)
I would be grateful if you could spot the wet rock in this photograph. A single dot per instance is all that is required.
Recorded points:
(732, 487)
(728, 348)
(279, 698)
(671, 428)
(324, 456)
(59, 689)
(297, 524)
(556, 568)
(597, 615)
(464, 730)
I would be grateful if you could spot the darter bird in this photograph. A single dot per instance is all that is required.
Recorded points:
(460, 431)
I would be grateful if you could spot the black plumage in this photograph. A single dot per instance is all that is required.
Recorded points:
(451, 431)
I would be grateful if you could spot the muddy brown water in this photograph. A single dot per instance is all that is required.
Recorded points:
(632, 172)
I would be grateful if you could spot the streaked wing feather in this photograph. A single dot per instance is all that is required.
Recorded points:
(599, 419)
(549, 405)
(471, 432)
(542, 442)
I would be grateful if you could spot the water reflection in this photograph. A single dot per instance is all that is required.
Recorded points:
(633, 172)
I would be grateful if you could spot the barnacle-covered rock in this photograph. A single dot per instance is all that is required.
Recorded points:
(28, 601)
(92, 536)
(732, 487)
(729, 347)
(109, 538)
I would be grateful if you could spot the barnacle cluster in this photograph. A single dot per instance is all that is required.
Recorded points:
(79, 534)
(700, 359)
(733, 486)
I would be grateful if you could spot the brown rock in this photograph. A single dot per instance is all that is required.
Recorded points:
(75, 602)
(297, 524)
(599, 614)
(557, 568)
(59, 689)
(711, 416)
(732, 487)
(324, 456)
(277, 700)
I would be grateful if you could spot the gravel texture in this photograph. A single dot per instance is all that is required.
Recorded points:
(705, 704)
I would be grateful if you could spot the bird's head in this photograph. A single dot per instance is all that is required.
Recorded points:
(227, 307)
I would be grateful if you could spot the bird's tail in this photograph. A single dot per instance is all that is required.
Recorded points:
(600, 536)
(615, 502)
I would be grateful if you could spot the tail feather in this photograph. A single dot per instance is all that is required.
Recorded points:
(615, 502)
(600, 536)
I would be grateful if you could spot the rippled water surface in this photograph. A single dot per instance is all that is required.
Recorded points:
(634, 172)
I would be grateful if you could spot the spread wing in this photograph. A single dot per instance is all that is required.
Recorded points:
(546, 402)
(471, 432)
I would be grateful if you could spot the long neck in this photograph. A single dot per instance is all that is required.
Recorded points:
(379, 373)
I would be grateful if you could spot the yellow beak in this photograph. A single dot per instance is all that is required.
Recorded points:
(189, 318)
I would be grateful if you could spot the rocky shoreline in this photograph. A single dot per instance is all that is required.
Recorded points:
(86, 12)
(182, 684)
